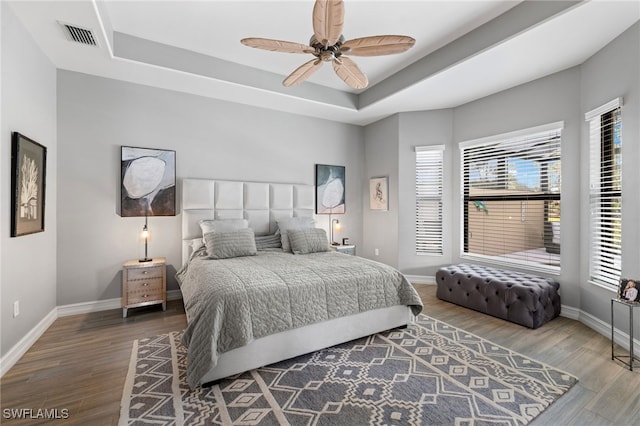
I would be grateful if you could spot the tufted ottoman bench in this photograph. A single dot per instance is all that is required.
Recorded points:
(524, 299)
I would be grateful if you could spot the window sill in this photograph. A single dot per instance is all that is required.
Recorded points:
(551, 270)
(609, 287)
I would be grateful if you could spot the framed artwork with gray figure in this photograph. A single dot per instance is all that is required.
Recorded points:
(628, 290)
(28, 178)
(379, 193)
(148, 182)
(330, 189)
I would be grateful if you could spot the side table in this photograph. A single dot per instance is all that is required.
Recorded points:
(143, 284)
(622, 358)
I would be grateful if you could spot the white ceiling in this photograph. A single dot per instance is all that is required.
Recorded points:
(464, 50)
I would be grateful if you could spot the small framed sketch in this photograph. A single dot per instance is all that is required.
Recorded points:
(379, 193)
(628, 290)
(28, 177)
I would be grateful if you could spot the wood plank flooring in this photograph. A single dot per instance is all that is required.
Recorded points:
(80, 364)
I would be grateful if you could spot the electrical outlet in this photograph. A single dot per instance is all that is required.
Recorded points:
(16, 308)
(376, 252)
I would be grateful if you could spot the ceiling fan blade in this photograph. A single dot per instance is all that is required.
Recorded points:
(277, 45)
(328, 20)
(302, 73)
(349, 72)
(377, 45)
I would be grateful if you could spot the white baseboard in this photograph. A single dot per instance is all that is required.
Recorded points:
(421, 279)
(570, 312)
(20, 348)
(87, 307)
(103, 305)
(17, 351)
(604, 328)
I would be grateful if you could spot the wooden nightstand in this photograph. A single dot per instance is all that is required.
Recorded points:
(346, 249)
(144, 283)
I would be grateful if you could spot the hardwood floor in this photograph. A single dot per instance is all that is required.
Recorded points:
(80, 364)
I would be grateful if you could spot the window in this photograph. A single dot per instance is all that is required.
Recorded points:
(429, 181)
(511, 187)
(605, 192)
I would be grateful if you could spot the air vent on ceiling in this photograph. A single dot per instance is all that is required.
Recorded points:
(79, 34)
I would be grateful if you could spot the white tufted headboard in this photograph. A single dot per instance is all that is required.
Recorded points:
(261, 203)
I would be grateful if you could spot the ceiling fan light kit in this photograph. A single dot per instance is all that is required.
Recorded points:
(328, 45)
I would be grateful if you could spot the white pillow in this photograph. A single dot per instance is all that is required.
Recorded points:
(222, 225)
(287, 223)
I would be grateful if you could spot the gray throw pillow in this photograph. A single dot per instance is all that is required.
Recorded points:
(224, 245)
(309, 240)
(222, 225)
(264, 242)
(285, 224)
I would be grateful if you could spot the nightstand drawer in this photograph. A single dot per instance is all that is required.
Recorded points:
(153, 295)
(144, 285)
(144, 273)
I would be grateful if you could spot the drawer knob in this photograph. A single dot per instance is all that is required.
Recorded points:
(146, 295)
(145, 272)
(145, 284)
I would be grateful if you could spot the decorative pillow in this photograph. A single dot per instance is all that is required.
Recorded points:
(309, 240)
(195, 244)
(223, 245)
(264, 242)
(222, 225)
(288, 223)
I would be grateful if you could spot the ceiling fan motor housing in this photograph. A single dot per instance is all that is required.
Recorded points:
(326, 53)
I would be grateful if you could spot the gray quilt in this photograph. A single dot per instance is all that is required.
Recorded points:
(231, 302)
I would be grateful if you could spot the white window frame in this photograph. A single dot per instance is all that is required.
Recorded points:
(429, 236)
(602, 242)
(504, 137)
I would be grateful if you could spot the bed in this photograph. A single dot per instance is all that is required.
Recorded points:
(247, 311)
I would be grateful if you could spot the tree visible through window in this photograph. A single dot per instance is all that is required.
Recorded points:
(511, 188)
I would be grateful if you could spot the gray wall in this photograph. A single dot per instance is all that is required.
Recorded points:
(381, 159)
(28, 263)
(212, 139)
(547, 100)
(564, 96)
(417, 129)
(613, 72)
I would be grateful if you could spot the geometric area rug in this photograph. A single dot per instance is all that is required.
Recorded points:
(429, 373)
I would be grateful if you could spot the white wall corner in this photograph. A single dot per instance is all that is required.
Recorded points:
(19, 349)
(570, 312)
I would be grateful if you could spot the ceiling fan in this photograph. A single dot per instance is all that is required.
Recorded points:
(328, 45)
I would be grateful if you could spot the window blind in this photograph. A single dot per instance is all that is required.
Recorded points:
(511, 190)
(429, 182)
(605, 192)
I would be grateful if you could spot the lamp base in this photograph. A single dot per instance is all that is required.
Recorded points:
(144, 260)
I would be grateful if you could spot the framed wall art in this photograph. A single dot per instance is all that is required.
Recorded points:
(28, 178)
(628, 290)
(148, 182)
(330, 189)
(379, 193)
